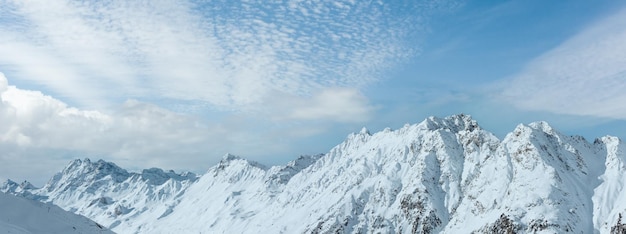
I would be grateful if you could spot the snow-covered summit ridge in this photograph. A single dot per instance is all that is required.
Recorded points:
(454, 123)
(229, 159)
(80, 170)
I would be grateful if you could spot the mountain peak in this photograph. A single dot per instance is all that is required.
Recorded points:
(454, 123)
(530, 131)
(77, 163)
(230, 159)
(616, 152)
(609, 140)
(543, 126)
(78, 171)
(87, 164)
(8, 186)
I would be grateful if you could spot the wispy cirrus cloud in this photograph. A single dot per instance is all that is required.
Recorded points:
(585, 75)
(229, 54)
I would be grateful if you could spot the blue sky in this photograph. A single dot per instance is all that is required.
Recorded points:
(177, 84)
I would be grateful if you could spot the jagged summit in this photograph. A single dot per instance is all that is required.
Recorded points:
(231, 159)
(10, 185)
(543, 126)
(535, 127)
(99, 167)
(454, 123)
(102, 168)
(78, 172)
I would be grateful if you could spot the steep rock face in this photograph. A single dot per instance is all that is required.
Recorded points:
(439, 176)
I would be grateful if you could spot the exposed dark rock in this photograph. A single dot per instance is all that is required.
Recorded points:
(504, 225)
(540, 225)
(422, 220)
(619, 227)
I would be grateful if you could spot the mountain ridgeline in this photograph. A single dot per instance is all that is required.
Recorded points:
(439, 176)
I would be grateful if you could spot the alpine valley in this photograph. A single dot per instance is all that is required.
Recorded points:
(439, 176)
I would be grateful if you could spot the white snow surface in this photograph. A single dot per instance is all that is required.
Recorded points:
(21, 215)
(443, 175)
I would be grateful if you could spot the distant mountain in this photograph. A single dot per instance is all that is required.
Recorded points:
(109, 194)
(439, 176)
(20, 215)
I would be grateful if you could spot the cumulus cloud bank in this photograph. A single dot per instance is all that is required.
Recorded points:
(39, 134)
(585, 75)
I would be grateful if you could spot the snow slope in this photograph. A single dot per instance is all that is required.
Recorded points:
(20, 215)
(439, 176)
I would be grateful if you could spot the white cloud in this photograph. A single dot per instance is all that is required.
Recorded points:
(583, 76)
(232, 54)
(4, 83)
(335, 104)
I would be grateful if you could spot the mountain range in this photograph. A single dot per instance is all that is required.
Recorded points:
(443, 175)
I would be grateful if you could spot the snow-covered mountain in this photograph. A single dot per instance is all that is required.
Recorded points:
(20, 215)
(439, 176)
(109, 194)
